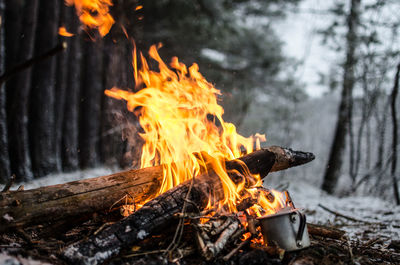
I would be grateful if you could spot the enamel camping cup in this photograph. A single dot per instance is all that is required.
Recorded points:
(287, 229)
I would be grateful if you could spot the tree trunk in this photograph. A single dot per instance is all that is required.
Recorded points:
(70, 147)
(81, 198)
(333, 169)
(41, 120)
(91, 95)
(4, 158)
(18, 125)
(393, 106)
(61, 88)
(112, 120)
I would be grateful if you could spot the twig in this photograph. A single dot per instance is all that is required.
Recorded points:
(357, 220)
(102, 227)
(235, 250)
(145, 253)
(179, 230)
(371, 242)
(345, 216)
(19, 68)
(350, 251)
(9, 183)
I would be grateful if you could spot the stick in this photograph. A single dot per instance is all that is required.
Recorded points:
(235, 250)
(19, 68)
(10, 182)
(345, 216)
(325, 231)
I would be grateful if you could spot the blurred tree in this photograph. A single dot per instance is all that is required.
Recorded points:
(232, 41)
(70, 126)
(19, 97)
(4, 159)
(58, 117)
(393, 99)
(374, 60)
(41, 120)
(345, 109)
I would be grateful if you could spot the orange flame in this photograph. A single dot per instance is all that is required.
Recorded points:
(63, 32)
(181, 118)
(94, 14)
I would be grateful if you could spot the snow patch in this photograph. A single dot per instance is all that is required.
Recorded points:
(142, 234)
(8, 217)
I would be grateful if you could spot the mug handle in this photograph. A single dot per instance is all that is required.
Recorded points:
(302, 226)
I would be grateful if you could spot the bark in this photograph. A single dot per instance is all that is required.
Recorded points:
(70, 155)
(395, 132)
(4, 158)
(332, 172)
(158, 213)
(13, 25)
(18, 125)
(79, 198)
(112, 121)
(325, 231)
(61, 88)
(41, 120)
(91, 95)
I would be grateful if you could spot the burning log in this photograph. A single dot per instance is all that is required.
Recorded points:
(159, 213)
(62, 202)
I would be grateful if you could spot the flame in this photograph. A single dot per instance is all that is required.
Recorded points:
(94, 14)
(63, 32)
(184, 130)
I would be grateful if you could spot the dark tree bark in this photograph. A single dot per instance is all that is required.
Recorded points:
(41, 122)
(332, 172)
(4, 158)
(393, 98)
(18, 115)
(91, 94)
(112, 120)
(61, 88)
(70, 156)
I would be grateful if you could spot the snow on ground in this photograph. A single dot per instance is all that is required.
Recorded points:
(305, 195)
(371, 209)
(58, 178)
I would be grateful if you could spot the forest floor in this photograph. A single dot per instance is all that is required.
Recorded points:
(370, 223)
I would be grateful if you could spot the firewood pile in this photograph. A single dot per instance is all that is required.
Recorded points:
(83, 222)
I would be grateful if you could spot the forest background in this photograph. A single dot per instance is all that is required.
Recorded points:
(54, 116)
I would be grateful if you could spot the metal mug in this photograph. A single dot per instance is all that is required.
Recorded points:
(287, 229)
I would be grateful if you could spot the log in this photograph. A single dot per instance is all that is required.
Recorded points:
(159, 213)
(325, 231)
(50, 204)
